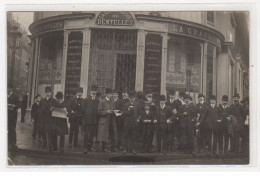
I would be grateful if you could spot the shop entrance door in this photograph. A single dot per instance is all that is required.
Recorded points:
(112, 61)
(125, 71)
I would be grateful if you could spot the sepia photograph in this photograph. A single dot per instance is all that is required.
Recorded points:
(128, 88)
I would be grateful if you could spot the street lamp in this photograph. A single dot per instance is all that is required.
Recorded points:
(14, 34)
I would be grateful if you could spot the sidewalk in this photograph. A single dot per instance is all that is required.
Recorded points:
(26, 146)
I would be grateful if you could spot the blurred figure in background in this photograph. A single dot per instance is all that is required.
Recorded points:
(24, 106)
(34, 118)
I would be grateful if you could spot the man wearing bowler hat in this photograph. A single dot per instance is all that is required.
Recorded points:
(90, 119)
(76, 107)
(224, 112)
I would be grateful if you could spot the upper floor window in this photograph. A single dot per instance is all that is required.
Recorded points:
(210, 17)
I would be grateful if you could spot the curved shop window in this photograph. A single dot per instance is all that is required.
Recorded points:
(50, 62)
(184, 66)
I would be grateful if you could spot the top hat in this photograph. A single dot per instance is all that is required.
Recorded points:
(59, 95)
(212, 97)
(187, 96)
(139, 95)
(48, 89)
(224, 98)
(80, 90)
(182, 94)
(115, 91)
(93, 88)
(201, 95)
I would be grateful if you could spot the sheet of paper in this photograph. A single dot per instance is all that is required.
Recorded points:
(59, 112)
(118, 113)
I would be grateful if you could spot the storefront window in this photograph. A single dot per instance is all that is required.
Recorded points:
(50, 63)
(184, 66)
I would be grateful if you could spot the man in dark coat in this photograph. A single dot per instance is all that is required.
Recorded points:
(174, 104)
(236, 109)
(105, 112)
(224, 112)
(131, 118)
(35, 116)
(163, 119)
(90, 119)
(119, 107)
(13, 105)
(187, 117)
(43, 124)
(147, 117)
(24, 106)
(245, 144)
(76, 107)
(212, 124)
(201, 110)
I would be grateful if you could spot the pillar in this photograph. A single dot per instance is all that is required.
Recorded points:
(34, 69)
(30, 73)
(214, 71)
(204, 87)
(85, 60)
(201, 66)
(64, 59)
(139, 78)
(164, 63)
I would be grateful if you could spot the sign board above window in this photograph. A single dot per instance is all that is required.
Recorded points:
(115, 19)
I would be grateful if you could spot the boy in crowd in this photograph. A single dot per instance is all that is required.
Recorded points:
(35, 116)
(75, 112)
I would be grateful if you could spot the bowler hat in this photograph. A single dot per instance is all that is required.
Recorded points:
(93, 88)
(139, 95)
(224, 98)
(148, 91)
(108, 90)
(182, 94)
(147, 103)
(236, 95)
(47, 89)
(131, 93)
(187, 96)
(59, 95)
(171, 92)
(80, 90)
(212, 97)
(201, 95)
(115, 91)
(162, 98)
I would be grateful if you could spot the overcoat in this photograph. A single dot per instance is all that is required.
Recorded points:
(104, 119)
(130, 117)
(211, 117)
(76, 107)
(58, 125)
(14, 100)
(90, 115)
(43, 123)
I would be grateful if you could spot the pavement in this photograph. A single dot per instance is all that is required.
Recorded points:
(30, 153)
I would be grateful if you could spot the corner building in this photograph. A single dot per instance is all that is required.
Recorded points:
(183, 51)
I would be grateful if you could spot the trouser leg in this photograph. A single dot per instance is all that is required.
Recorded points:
(34, 130)
(72, 130)
(23, 112)
(76, 133)
(85, 130)
(62, 140)
(190, 140)
(208, 138)
(226, 139)
(54, 141)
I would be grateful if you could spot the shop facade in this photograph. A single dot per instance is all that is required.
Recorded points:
(130, 50)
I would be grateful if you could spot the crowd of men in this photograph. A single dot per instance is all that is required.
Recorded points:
(137, 122)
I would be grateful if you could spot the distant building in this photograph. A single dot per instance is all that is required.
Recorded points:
(22, 56)
(195, 52)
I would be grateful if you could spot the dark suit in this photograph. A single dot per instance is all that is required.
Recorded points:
(237, 111)
(119, 105)
(147, 129)
(224, 112)
(212, 126)
(187, 127)
(35, 116)
(163, 131)
(130, 125)
(75, 108)
(43, 124)
(201, 110)
(12, 118)
(89, 121)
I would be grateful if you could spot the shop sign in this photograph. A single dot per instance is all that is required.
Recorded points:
(153, 61)
(115, 19)
(193, 32)
(49, 26)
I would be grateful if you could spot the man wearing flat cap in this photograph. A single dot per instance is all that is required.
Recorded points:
(105, 112)
(90, 119)
(76, 107)
(43, 124)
